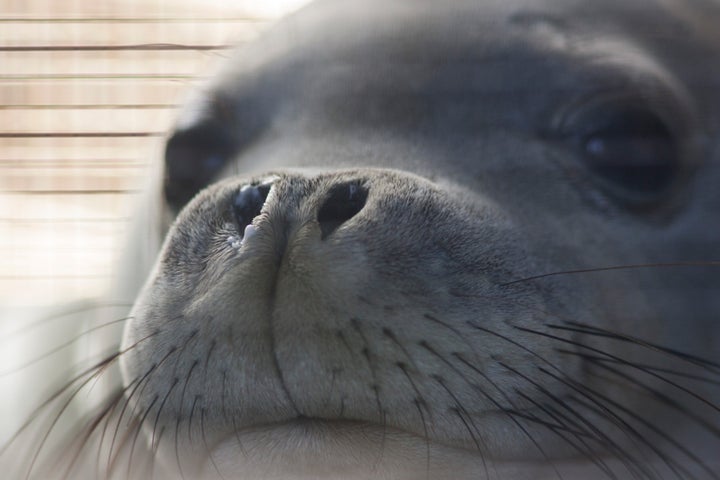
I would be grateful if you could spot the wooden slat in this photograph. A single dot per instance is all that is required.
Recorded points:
(106, 65)
(24, 208)
(106, 121)
(68, 179)
(62, 237)
(92, 92)
(113, 35)
(267, 9)
(49, 291)
(54, 263)
(47, 147)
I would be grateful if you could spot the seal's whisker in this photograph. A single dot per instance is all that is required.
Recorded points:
(70, 315)
(477, 439)
(196, 398)
(626, 363)
(420, 405)
(627, 462)
(90, 430)
(645, 366)
(611, 268)
(176, 439)
(236, 431)
(95, 371)
(562, 430)
(207, 447)
(676, 466)
(393, 338)
(223, 407)
(178, 419)
(630, 462)
(131, 386)
(137, 391)
(467, 421)
(138, 430)
(152, 455)
(384, 425)
(511, 413)
(85, 375)
(661, 397)
(153, 445)
(367, 354)
(606, 408)
(558, 419)
(120, 399)
(146, 380)
(597, 331)
(62, 346)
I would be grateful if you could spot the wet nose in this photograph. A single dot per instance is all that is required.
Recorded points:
(338, 204)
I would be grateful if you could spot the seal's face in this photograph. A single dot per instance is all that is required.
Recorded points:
(435, 243)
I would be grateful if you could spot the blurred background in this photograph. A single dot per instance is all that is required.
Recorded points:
(87, 91)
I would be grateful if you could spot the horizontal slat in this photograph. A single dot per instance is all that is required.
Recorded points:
(64, 164)
(61, 237)
(18, 179)
(26, 18)
(92, 92)
(112, 34)
(131, 64)
(48, 147)
(50, 291)
(112, 121)
(149, 8)
(24, 208)
(51, 263)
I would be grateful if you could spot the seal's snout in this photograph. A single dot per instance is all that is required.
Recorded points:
(344, 201)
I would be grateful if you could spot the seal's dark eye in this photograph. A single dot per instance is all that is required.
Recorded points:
(629, 149)
(633, 149)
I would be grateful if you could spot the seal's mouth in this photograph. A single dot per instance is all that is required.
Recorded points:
(317, 448)
(294, 439)
(321, 448)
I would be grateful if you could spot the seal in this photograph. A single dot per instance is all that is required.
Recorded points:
(466, 240)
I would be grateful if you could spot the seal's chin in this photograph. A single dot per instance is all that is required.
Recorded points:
(333, 449)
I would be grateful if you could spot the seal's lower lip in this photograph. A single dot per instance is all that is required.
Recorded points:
(311, 436)
(329, 449)
(311, 427)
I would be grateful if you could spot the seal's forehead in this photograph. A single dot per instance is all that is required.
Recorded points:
(428, 22)
(403, 35)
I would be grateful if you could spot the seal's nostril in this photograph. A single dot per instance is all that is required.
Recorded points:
(343, 202)
(248, 203)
